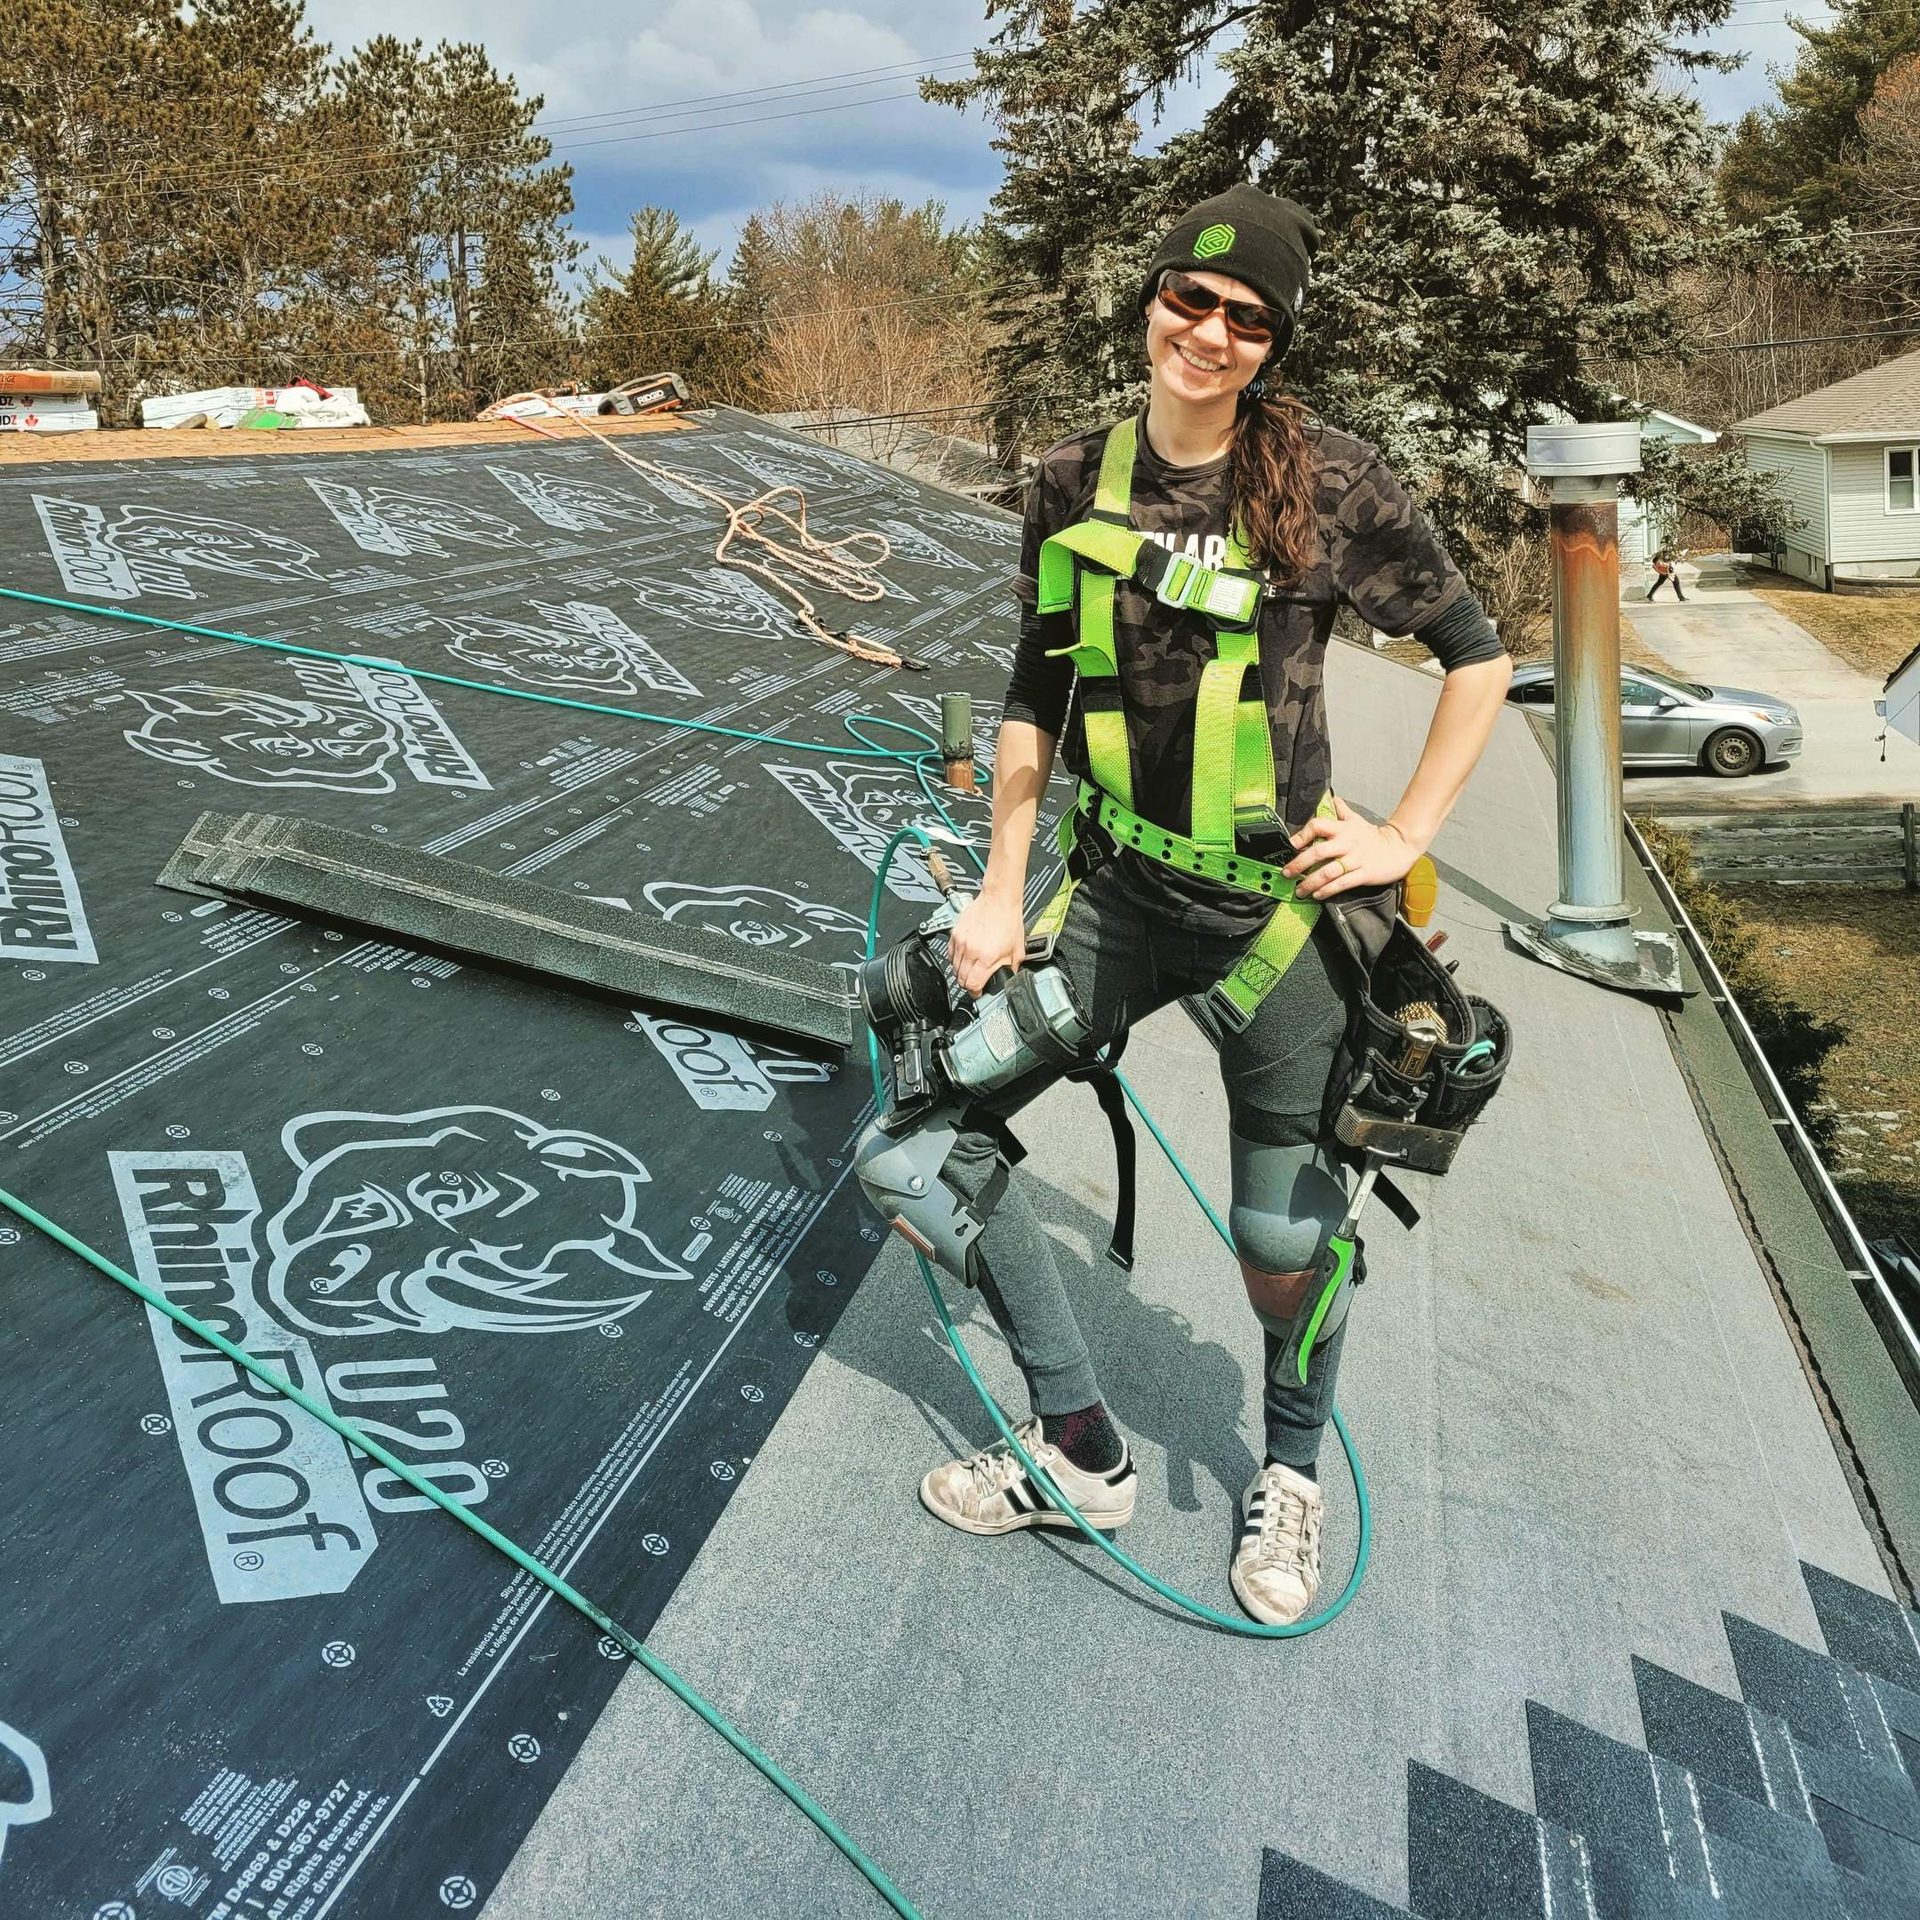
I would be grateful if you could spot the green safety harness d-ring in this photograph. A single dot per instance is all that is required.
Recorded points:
(919, 758)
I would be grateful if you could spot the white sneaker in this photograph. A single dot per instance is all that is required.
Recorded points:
(1276, 1567)
(990, 1492)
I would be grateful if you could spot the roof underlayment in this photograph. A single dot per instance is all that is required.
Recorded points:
(1585, 1420)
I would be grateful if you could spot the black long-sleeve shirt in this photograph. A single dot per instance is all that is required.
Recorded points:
(1377, 553)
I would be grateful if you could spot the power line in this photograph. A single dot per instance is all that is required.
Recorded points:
(1817, 340)
(899, 69)
(377, 157)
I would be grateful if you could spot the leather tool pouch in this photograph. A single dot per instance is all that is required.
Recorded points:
(1383, 1097)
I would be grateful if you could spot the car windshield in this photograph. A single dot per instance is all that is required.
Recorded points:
(1690, 688)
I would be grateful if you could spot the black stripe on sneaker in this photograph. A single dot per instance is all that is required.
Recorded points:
(1120, 1473)
(1022, 1497)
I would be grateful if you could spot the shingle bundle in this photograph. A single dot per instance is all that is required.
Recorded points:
(36, 400)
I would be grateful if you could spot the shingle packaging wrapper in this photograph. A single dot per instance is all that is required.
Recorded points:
(228, 406)
(568, 1253)
(48, 380)
(35, 416)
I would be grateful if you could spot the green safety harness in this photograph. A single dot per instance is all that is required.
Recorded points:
(1234, 781)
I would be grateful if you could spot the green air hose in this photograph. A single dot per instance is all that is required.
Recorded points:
(918, 758)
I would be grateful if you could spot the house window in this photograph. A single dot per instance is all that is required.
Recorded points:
(1903, 479)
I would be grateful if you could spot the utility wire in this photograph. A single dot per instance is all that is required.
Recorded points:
(715, 102)
(387, 156)
(1814, 340)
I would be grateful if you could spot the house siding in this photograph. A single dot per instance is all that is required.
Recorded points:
(1863, 531)
(1803, 468)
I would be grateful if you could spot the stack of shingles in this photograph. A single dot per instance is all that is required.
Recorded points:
(35, 400)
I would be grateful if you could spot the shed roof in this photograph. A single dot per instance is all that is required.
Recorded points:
(1881, 404)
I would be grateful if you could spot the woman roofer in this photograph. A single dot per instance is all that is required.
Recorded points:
(1223, 471)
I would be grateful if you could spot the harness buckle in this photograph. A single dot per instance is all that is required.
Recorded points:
(1227, 1010)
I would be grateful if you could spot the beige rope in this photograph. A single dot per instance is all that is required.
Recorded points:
(848, 566)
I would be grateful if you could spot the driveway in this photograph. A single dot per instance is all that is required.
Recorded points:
(1725, 633)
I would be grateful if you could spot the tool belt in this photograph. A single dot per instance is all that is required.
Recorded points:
(1392, 1095)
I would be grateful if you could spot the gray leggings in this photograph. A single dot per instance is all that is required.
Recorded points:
(1124, 961)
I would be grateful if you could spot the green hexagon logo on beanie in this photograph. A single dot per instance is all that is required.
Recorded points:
(1214, 239)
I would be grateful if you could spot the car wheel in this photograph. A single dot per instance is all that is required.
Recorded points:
(1730, 753)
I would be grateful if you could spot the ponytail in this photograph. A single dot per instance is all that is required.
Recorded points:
(1273, 481)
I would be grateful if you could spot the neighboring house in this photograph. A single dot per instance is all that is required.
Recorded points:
(1902, 702)
(1850, 457)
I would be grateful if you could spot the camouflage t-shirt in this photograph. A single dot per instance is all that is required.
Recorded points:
(1376, 552)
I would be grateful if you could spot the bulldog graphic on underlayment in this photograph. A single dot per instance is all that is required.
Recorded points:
(575, 506)
(579, 646)
(814, 452)
(266, 740)
(385, 520)
(760, 916)
(915, 543)
(958, 524)
(718, 601)
(150, 550)
(468, 1219)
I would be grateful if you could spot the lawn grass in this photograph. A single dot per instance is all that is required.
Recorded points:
(1871, 628)
(1852, 955)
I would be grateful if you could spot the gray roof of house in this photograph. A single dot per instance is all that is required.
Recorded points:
(1882, 403)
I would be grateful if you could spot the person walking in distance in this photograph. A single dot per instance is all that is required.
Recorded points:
(1181, 678)
(1664, 571)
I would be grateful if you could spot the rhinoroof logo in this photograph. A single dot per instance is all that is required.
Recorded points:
(458, 1218)
(155, 550)
(760, 916)
(915, 543)
(574, 506)
(864, 806)
(578, 644)
(280, 1506)
(39, 1798)
(1002, 657)
(341, 734)
(386, 520)
(723, 1073)
(41, 917)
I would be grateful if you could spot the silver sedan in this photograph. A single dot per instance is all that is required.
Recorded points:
(1666, 722)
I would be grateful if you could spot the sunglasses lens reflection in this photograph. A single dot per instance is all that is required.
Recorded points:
(1191, 301)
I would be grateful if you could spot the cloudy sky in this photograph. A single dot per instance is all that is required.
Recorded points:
(714, 107)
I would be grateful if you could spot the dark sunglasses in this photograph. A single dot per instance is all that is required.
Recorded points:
(1246, 319)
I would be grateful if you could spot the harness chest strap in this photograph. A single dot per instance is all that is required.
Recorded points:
(1079, 568)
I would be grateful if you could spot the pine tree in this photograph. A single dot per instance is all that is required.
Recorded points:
(461, 217)
(1799, 155)
(661, 311)
(1502, 189)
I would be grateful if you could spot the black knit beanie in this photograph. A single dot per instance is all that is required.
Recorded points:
(1255, 237)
